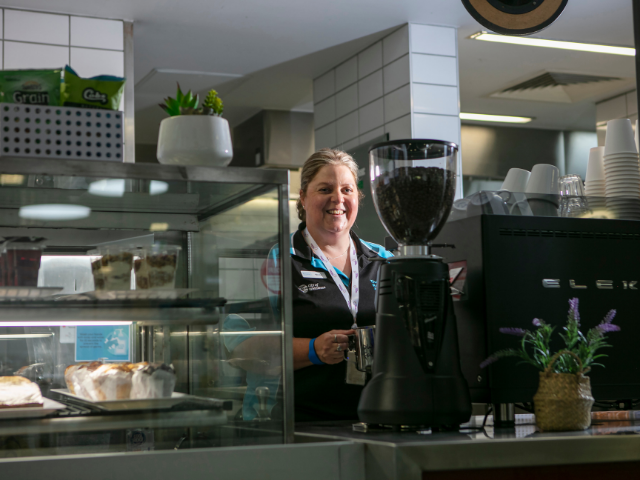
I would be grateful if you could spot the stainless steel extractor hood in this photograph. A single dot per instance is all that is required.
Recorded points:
(273, 138)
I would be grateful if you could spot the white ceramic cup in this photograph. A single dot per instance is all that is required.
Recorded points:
(544, 179)
(620, 137)
(595, 167)
(516, 180)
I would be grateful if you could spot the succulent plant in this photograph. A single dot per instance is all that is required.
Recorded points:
(187, 104)
(212, 105)
(181, 104)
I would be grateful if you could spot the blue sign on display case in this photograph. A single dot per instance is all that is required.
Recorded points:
(110, 343)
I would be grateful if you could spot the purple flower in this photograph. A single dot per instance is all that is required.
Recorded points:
(573, 310)
(607, 327)
(489, 361)
(538, 323)
(609, 317)
(518, 332)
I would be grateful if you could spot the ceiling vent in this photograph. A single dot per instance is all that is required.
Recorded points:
(563, 87)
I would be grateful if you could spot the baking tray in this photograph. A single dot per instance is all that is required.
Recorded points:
(150, 294)
(22, 293)
(137, 404)
(49, 406)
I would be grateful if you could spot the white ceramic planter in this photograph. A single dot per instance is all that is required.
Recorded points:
(195, 140)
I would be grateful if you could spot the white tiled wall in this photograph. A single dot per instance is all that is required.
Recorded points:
(91, 46)
(407, 86)
(358, 100)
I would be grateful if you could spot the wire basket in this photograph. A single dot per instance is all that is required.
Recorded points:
(45, 131)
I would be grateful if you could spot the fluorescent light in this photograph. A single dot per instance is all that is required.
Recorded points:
(157, 187)
(52, 212)
(158, 227)
(25, 335)
(7, 179)
(481, 117)
(113, 187)
(64, 323)
(540, 42)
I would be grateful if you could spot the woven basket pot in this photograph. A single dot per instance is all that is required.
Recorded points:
(563, 401)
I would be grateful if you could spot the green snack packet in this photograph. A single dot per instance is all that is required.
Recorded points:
(30, 87)
(103, 91)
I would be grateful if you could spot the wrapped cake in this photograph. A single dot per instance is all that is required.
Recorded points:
(19, 392)
(81, 380)
(111, 382)
(156, 380)
(99, 382)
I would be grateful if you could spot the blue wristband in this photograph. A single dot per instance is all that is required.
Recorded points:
(313, 356)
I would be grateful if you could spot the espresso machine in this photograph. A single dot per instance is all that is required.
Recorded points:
(416, 378)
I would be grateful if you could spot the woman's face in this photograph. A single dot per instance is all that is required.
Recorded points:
(331, 201)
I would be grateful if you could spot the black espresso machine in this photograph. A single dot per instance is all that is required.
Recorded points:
(512, 269)
(416, 378)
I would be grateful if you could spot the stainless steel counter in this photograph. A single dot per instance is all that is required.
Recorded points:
(406, 455)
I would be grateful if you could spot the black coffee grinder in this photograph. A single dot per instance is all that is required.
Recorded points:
(416, 378)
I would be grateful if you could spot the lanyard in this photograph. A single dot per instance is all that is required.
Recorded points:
(355, 277)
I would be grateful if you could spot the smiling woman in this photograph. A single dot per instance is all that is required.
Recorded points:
(334, 278)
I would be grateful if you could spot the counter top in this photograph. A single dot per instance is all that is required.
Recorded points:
(391, 455)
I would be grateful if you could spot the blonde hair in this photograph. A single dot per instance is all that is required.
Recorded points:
(322, 158)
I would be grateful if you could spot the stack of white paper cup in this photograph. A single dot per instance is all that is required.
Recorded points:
(595, 179)
(621, 169)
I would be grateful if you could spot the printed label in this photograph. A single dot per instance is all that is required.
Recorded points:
(308, 274)
(67, 334)
(32, 98)
(91, 95)
(310, 287)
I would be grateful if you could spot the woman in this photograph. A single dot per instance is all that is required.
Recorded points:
(334, 278)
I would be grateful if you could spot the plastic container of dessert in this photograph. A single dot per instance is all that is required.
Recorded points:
(112, 270)
(156, 268)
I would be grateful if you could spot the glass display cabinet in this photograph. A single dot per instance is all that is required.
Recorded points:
(148, 305)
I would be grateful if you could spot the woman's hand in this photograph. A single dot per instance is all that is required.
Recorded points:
(330, 346)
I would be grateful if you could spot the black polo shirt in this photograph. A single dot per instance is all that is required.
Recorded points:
(321, 392)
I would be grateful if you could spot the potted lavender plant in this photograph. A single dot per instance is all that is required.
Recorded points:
(563, 401)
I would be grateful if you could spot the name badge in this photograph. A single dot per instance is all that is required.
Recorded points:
(308, 274)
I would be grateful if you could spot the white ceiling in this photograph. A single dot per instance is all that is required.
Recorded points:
(278, 46)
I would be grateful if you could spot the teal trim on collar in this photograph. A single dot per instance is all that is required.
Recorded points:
(317, 263)
(378, 249)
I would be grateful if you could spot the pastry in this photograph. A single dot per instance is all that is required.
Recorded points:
(112, 382)
(81, 380)
(68, 375)
(31, 372)
(156, 380)
(19, 392)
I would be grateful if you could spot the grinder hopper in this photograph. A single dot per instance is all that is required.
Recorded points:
(413, 183)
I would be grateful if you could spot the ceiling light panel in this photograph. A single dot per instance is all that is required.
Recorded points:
(540, 42)
(481, 117)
